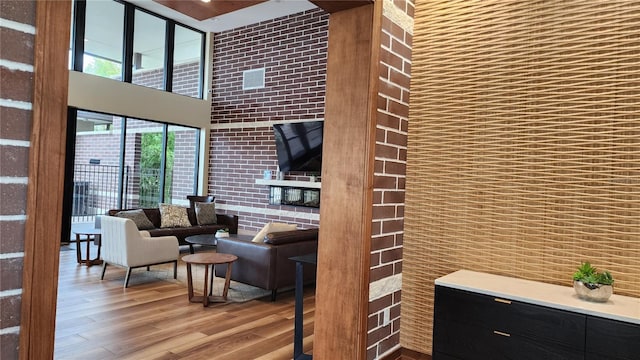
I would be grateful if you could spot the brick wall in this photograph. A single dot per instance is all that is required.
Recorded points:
(185, 78)
(17, 40)
(389, 178)
(293, 51)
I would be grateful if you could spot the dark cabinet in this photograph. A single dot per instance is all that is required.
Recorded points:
(612, 340)
(472, 325)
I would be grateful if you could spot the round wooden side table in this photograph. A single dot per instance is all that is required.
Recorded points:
(207, 259)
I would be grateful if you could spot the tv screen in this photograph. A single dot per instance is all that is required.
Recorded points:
(299, 146)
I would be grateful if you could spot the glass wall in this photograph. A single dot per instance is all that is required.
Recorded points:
(148, 50)
(187, 62)
(181, 162)
(103, 39)
(111, 28)
(148, 163)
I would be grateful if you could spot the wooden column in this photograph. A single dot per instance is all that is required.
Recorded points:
(347, 184)
(46, 178)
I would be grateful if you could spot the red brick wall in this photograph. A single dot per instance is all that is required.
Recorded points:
(293, 50)
(185, 78)
(16, 96)
(389, 179)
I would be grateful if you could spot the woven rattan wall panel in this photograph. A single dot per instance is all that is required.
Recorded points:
(524, 146)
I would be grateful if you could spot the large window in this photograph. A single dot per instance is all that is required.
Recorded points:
(148, 50)
(117, 40)
(103, 39)
(147, 163)
(187, 64)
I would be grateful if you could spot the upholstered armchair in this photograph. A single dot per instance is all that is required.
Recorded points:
(123, 245)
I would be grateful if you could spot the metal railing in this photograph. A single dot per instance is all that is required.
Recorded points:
(95, 190)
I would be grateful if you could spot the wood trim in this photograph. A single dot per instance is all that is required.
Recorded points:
(200, 10)
(340, 5)
(345, 235)
(46, 179)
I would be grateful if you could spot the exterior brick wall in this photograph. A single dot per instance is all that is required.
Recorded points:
(185, 78)
(389, 177)
(17, 41)
(293, 51)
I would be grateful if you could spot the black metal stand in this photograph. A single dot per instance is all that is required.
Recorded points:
(298, 326)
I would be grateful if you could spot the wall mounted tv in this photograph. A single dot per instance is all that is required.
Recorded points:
(299, 146)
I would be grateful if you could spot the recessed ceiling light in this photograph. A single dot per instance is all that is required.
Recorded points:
(206, 1)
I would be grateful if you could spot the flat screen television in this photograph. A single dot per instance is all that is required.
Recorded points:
(299, 146)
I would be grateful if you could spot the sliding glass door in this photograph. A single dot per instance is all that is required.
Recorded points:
(128, 163)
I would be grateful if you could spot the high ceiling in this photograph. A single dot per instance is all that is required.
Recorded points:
(222, 15)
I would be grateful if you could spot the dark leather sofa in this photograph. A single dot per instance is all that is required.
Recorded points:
(267, 265)
(223, 222)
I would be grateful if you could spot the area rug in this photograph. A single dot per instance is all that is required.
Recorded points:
(238, 292)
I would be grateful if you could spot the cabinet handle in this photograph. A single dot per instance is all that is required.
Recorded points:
(501, 333)
(504, 301)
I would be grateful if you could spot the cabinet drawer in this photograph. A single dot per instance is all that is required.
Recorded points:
(551, 326)
(465, 342)
(547, 325)
(612, 340)
(464, 307)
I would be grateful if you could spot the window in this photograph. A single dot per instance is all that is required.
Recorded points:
(103, 36)
(160, 53)
(148, 50)
(187, 62)
(148, 163)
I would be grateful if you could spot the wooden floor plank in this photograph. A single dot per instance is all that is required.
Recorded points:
(153, 319)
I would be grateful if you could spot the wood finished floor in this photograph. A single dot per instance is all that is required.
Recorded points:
(152, 319)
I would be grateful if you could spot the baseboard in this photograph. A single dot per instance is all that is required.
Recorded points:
(406, 354)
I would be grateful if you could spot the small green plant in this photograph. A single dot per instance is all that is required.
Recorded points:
(590, 276)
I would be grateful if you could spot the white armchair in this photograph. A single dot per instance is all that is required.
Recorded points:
(123, 245)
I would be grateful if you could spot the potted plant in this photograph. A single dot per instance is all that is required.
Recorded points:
(592, 285)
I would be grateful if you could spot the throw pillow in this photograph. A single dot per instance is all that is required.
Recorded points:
(271, 228)
(138, 217)
(173, 216)
(206, 213)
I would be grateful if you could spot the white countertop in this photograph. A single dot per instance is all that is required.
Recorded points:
(618, 307)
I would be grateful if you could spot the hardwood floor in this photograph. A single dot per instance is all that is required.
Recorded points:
(152, 319)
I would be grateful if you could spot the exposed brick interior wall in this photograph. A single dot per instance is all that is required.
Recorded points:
(293, 51)
(16, 95)
(389, 177)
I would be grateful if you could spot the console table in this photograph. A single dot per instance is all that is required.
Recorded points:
(485, 316)
(298, 323)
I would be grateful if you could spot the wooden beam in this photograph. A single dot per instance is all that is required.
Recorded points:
(332, 6)
(205, 10)
(46, 178)
(342, 290)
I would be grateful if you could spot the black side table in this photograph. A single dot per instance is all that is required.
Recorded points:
(298, 324)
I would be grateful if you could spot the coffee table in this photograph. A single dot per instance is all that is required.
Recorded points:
(207, 259)
(211, 239)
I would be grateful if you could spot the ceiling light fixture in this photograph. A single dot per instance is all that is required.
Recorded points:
(205, 1)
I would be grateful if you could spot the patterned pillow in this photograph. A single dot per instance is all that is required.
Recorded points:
(206, 213)
(173, 216)
(138, 217)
